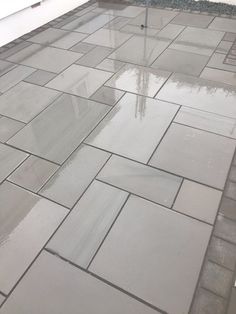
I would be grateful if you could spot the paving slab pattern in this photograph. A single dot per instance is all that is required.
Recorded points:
(117, 167)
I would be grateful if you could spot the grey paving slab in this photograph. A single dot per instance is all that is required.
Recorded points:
(156, 18)
(200, 94)
(217, 279)
(40, 77)
(6, 66)
(225, 229)
(8, 128)
(198, 201)
(108, 38)
(147, 182)
(228, 208)
(14, 49)
(72, 290)
(10, 159)
(207, 121)
(230, 190)
(107, 95)
(230, 37)
(66, 122)
(198, 40)
(45, 58)
(199, 155)
(82, 233)
(95, 56)
(189, 19)
(2, 298)
(82, 47)
(86, 10)
(136, 29)
(125, 11)
(170, 31)
(217, 61)
(13, 77)
(181, 61)
(222, 252)
(110, 65)
(27, 223)
(79, 80)
(224, 47)
(33, 173)
(58, 38)
(69, 183)
(219, 76)
(232, 174)
(24, 101)
(133, 127)
(139, 80)
(117, 23)
(223, 24)
(232, 303)
(141, 50)
(143, 262)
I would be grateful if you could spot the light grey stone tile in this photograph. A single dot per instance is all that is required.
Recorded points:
(14, 50)
(82, 233)
(170, 31)
(230, 37)
(2, 299)
(232, 303)
(13, 77)
(133, 127)
(125, 11)
(224, 47)
(27, 222)
(79, 80)
(107, 95)
(86, 10)
(10, 158)
(181, 61)
(189, 19)
(24, 101)
(141, 249)
(95, 56)
(117, 23)
(223, 24)
(225, 229)
(207, 121)
(8, 128)
(198, 201)
(219, 76)
(200, 156)
(66, 122)
(6, 66)
(65, 288)
(33, 173)
(110, 65)
(200, 94)
(147, 182)
(69, 183)
(139, 80)
(232, 174)
(40, 77)
(228, 208)
(82, 48)
(45, 58)
(217, 61)
(230, 190)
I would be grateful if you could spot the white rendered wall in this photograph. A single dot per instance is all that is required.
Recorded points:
(17, 24)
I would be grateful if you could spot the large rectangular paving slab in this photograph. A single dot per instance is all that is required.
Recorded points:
(223, 24)
(143, 245)
(24, 101)
(66, 289)
(189, 19)
(195, 154)
(124, 10)
(5, 66)
(81, 234)
(134, 127)
(71, 180)
(8, 128)
(152, 184)
(27, 222)
(79, 80)
(200, 94)
(94, 57)
(219, 76)
(66, 122)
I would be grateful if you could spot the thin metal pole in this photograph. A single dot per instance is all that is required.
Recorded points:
(146, 15)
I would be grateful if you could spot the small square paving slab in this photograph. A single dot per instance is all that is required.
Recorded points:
(230, 37)
(108, 38)
(45, 58)
(230, 190)
(198, 201)
(71, 180)
(66, 122)
(217, 61)
(155, 239)
(110, 65)
(82, 47)
(40, 77)
(198, 155)
(126, 11)
(223, 24)
(33, 173)
(152, 184)
(200, 94)
(6, 66)
(181, 61)
(67, 289)
(228, 208)
(219, 76)
(189, 19)
(198, 40)
(24, 101)
(170, 31)
(224, 47)
(79, 80)
(133, 127)
(140, 50)
(226, 229)
(82, 233)
(107, 95)
(10, 159)
(58, 38)
(95, 56)
(8, 128)
(27, 222)
(139, 80)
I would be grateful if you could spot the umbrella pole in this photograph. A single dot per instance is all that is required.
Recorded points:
(146, 17)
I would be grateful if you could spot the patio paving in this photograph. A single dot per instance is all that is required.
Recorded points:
(117, 166)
